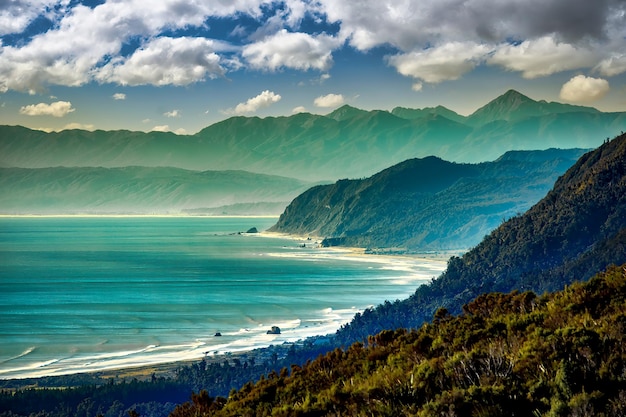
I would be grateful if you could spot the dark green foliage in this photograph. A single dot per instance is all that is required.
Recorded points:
(578, 229)
(515, 354)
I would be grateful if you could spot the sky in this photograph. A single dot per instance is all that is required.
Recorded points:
(174, 65)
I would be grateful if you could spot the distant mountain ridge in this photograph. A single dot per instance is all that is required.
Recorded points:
(346, 143)
(426, 204)
(143, 190)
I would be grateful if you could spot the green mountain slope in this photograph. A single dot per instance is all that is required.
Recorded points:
(577, 229)
(347, 143)
(426, 204)
(509, 354)
(137, 190)
(411, 114)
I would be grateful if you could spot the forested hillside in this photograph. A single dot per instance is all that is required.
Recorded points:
(579, 228)
(516, 354)
(426, 204)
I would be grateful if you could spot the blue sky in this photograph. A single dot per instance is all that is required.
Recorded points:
(182, 65)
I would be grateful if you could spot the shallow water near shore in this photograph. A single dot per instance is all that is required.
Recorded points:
(89, 294)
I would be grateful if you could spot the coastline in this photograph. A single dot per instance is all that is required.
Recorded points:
(139, 369)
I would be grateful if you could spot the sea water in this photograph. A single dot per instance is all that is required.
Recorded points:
(81, 294)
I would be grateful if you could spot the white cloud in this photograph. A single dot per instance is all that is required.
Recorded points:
(417, 86)
(81, 126)
(173, 113)
(542, 57)
(72, 52)
(329, 100)
(405, 25)
(265, 99)
(166, 61)
(614, 65)
(84, 44)
(166, 128)
(15, 15)
(56, 109)
(299, 109)
(119, 96)
(446, 62)
(581, 89)
(292, 50)
(160, 128)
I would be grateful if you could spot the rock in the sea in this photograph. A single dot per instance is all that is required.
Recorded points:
(218, 334)
(274, 330)
(252, 230)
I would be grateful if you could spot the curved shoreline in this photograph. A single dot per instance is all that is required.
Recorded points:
(166, 360)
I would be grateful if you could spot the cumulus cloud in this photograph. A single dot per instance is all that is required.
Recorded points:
(72, 53)
(15, 15)
(582, 89)
(119, 96)
(291, 50)
(166, 61)
(299, 109)
(371, 23)
(160, 128)
(446, 62)
(542, 57)
(417, 87)
(329, 100)
(87, 44)
(265, 99)
(173, 113)
(56, 109)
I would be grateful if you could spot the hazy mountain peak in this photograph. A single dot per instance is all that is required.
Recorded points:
(514, 106)
(413, 114)
(345, 112)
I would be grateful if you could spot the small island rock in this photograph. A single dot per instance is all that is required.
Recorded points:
(274, 330)
(218, 334)
(252, 230)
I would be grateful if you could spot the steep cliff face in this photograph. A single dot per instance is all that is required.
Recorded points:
(426, 204)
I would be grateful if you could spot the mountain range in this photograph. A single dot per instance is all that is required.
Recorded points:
(346, 143)
(143, 190)
(426, 204)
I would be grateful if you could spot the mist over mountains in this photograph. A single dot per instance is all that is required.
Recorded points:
(143, 190)
(347, 143)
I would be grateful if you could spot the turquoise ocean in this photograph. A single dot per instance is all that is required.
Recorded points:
(82, 294)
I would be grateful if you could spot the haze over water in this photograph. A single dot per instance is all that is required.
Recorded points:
(85, 294)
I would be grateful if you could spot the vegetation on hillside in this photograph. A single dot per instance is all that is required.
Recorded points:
(579, 228)
(426, 204)
(516, 354)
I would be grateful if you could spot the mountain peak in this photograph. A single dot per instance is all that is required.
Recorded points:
(345, 112)
(514, 106)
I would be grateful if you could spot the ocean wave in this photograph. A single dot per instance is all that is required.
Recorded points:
(21, 355)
